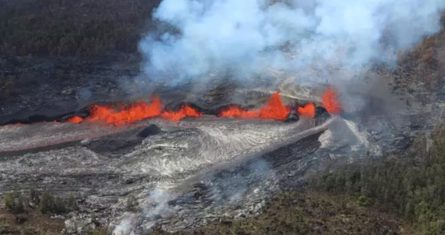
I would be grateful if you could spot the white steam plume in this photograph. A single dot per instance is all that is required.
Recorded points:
(247, 38)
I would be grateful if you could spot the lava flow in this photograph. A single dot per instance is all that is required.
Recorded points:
(274, 109)
(330, 101)
(183, 112)
(75, 120)
(135, 112)
(307, 111)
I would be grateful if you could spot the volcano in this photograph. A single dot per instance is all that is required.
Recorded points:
(237, 156)
(170, 116)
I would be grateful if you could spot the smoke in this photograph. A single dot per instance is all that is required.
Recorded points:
(237, 187)
(234, 186)
(208, 39)
(152, 207)
(126, 225)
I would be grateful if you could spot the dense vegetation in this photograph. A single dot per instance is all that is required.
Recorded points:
(72, 28)
(412, 187)
(306, 212)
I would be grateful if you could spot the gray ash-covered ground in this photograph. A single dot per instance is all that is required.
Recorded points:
(166, 159)
(181, 175)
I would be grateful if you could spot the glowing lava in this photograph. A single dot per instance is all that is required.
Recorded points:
(330, 101)
(274, 109)
(238, 112)
(183, 112)
(133, 113)
(75, 120)
(307, 111)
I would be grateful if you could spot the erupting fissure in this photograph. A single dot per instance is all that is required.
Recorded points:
(135, 112)
(307, 111)
(274, 109)
(183, 112)
(330, 101)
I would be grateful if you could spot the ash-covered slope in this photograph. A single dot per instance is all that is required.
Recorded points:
(180, 174)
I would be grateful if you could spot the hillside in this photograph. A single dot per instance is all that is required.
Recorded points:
(65, 28)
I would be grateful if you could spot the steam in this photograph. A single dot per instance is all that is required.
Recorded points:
(227, 188)
(208, 39)
(126, 225)
(153, 206)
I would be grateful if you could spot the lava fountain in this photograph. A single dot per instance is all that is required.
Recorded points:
(331, 102)
(273, 109)
(307, 111)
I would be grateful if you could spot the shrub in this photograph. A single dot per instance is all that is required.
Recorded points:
(52, 205)
(364, 201)
(14, 202)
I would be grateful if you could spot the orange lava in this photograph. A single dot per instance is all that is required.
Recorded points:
(307, 111)
(330, 101)
(238, 112)
(183, 112)
(274, 109)
(133, 113)
(75, 120)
